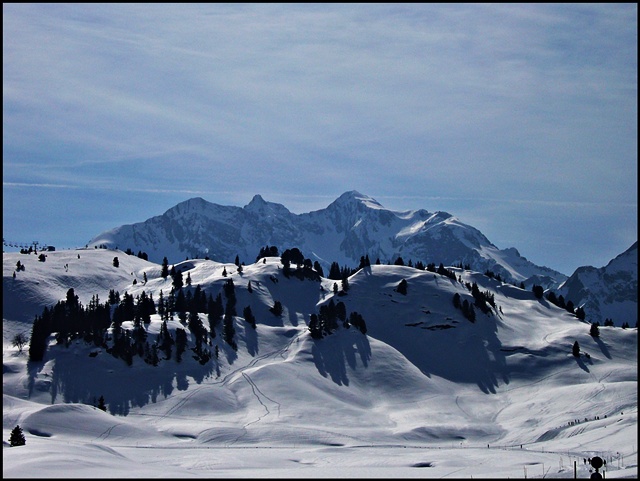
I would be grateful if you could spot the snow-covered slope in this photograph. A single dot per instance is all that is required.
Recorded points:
(423, 377)
(352, 226)
(609, 292)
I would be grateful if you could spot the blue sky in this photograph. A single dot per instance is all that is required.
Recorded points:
(521, 120)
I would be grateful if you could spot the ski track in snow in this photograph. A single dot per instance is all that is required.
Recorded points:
(223, 382)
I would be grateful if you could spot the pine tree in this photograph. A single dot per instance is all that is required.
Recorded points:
(39, 336)
(276, 309)
(17, 437)
(165, 339)
(215, 311)
(318, 268)
(116, 262)
(402, 287)
(457, 303)
(228, 330)
(358, 321)
(345, 284)
(576, 349)
(101, 404)
(177, 279)
(315, 327)
(181, 343)
(165, 268)
(594, 330)
(538, 291)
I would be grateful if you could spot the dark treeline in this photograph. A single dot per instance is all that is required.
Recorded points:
(102, 323)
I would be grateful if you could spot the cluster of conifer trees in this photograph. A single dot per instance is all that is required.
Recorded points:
(70, 320)
(326, 321)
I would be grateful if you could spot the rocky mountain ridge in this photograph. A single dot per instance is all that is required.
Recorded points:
(352, 226)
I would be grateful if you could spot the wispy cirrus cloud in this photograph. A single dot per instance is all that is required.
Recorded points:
(300, 99)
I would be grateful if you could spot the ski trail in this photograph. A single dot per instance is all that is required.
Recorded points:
(192, 392)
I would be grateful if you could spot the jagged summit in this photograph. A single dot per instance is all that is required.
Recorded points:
(351, 226)
(260, 206)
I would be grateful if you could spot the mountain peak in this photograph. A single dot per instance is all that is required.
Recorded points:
(260, 206)
(353, 196)
(257, 201)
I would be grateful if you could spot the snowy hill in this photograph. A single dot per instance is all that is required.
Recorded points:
(425, 392)
(350, 227)
(609, 292)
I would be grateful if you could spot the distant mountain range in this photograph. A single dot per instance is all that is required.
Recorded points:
(352, 226)
(609, 292)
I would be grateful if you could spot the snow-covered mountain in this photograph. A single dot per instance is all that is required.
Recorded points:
(609, 292)
(352, 226)
(425, 392)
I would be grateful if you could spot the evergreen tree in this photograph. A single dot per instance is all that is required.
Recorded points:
(215, 311)
(570, 306)
(561, 303)
(334, 271)
(315, 327)
(181, 306)
(228, 330)
(165, 268)
(17, 437)
(39, 336)
(576, 349)
(594, 330)
(358, 321)
(197, 329)
(276, 309)
(580, 314)
(165, 339)
(101, 404)
(318, 268)
(457, 303)
(181, 343)
(116, 262)
(329, 317)
(161, 306)
(538, 291)
(345, 284)
(402, 287)
(177, 279)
